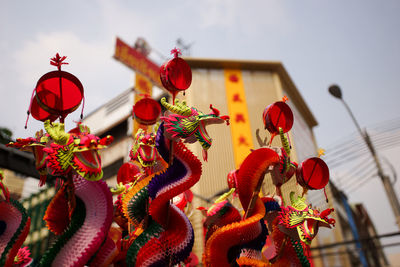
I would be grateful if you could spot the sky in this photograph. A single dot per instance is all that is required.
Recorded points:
(354, 44)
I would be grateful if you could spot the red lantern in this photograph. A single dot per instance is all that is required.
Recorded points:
(278, 115)
(175, 74)
(57, 93)
(313, 173)
(128, 173)
(146, 111)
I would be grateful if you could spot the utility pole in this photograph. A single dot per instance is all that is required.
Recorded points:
(335, 91)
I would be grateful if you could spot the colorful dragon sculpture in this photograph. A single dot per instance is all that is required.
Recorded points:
(166, 236)
(250, 231)
(145, 153)
(81, 212)
(144, 161)
(14, 228)
(240, 241)
(190, 124)
(292, 230)
(57, 152)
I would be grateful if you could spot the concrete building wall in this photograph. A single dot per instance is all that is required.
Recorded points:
(111, 113)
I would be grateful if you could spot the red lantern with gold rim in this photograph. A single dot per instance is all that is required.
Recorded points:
(278, 115)
(128, 173)
(146, 111)
(313, 173)
(57, 93)
(175, 74)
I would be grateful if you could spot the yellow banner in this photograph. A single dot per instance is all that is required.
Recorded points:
(143, 87)
(239, 116)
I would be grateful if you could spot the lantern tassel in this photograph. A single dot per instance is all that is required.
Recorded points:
(29, 109)
(83, 106)
(326, 196)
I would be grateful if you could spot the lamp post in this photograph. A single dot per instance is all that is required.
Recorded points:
(335, 91)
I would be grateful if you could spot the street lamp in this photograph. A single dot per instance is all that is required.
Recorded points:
(335, 91)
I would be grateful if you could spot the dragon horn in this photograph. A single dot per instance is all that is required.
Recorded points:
(214, 110)
(179, 108)
(56, 132)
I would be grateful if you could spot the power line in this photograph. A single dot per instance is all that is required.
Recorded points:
(355, 250)
(356, 182)
(350, 142)
(359, 169)
(380, 139)
(359, 185)
(381, 144)
(355, 241)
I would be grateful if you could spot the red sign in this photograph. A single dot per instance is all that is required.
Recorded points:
(133, 59)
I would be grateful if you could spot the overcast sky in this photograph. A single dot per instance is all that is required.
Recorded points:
(355, 44)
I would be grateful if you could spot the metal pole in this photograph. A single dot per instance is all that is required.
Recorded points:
(393, 200)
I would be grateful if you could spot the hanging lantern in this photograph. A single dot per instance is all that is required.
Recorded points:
(146, 111)
(175, 74)
(128, 173)
(57, 93)
(313, 173)
(278, 115)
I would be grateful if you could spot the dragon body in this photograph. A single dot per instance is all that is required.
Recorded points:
(291, 228)
(242, 233)
(166, 237)
(81, 212)
(14, 228)
(86, 235)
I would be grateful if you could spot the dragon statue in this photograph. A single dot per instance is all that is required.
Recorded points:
(240, 242)
(293, 228)
(145, 153)
(221, 213)
(80, 214)
(57, 152)
(144, 161)
(247, 234)
(14, 228)
(190, 124)
(166, 237)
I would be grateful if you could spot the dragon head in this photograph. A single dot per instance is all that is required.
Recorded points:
(144, 149)
(305, 220)
(189, 124)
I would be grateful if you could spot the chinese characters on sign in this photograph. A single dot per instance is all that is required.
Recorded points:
(137, 61)
(237, 106)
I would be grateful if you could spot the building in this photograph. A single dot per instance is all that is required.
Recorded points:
(371, 245)
(354, 241)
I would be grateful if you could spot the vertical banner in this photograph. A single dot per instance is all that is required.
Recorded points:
(143, 87)
(239, 116)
